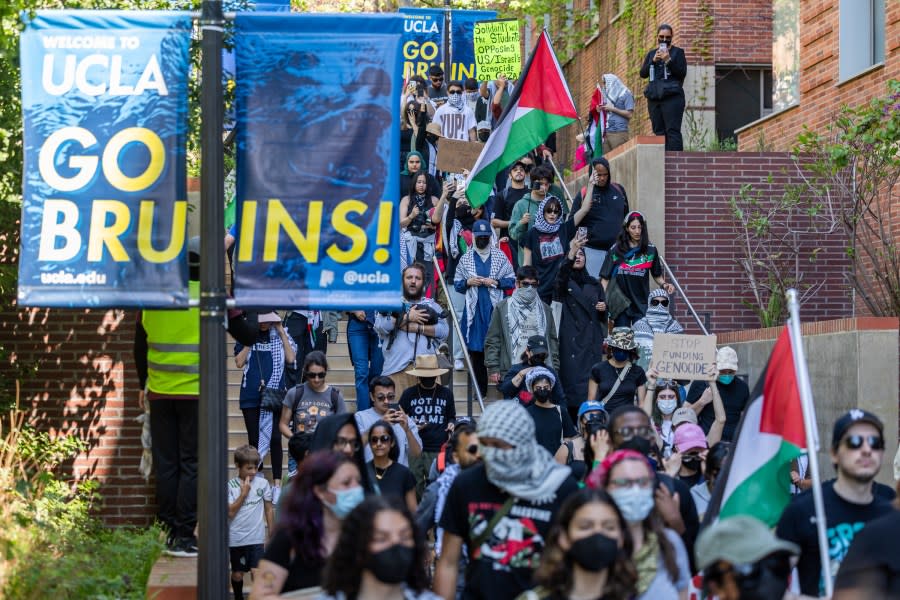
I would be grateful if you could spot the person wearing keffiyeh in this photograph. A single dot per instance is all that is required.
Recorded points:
(546, 244)
(657, 320)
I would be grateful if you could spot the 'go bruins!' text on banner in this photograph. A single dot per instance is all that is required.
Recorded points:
(317, 149)
(104, 211)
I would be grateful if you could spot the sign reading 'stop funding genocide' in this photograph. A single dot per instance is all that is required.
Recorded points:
(684, 356)
(498, 49)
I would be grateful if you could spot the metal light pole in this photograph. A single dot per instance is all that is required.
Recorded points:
(212, 571)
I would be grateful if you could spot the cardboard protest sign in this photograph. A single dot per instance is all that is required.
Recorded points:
(454, 155)
(677, 356)
(498, 49)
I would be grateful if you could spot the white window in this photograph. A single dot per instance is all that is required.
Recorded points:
(861, 36)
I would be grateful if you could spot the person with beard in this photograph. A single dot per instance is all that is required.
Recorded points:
(630, 264)
(521, 218)
(630, 429)
(608, 206)
(742, 559)
(582, 324)
(483, 273)
(504, 202)
(552, 424)
(501, 509)
(514, 321)
(660, 556)
(455, 118)
(420, 214)
(657, 320)
(851, 500)
(535, 355)
(432, 407)
(588, 553)
(546, 244)
(437, 91)
(407, 334)
(380, 554)
(733, 391)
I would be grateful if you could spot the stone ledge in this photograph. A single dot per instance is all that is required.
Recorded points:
(814, 328)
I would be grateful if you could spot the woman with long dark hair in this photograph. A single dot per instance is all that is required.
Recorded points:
(420, 214)
(393, 479)
(659, 554)
(326, 489)
(380, 554)
(588, 552)
(631, 262)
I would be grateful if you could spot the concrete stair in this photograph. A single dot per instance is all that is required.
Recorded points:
(340, 374)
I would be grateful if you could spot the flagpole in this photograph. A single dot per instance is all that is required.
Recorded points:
(809, 424)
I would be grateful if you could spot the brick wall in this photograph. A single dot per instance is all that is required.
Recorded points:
(821, 91)
(84, 384)
(701, 244)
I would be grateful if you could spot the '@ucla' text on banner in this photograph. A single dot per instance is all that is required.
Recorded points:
(317, 153)
(104, 207)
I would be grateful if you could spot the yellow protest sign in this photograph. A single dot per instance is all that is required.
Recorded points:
(498, 49)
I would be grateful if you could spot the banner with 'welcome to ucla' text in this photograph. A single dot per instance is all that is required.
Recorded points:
(104, 103)
(317, 145)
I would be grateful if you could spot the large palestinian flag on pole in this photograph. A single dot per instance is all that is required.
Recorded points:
(756, 480)
(540, 104)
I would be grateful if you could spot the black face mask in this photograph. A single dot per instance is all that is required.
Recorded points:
(482, 242)
(427, 382)
(537, 360)
(541, 394)
(771, 581)
(391, 565)
(464, 215)
(691, 462)
(594, 553)
(483, 136)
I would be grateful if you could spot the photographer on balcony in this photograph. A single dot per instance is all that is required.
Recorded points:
(666, 67)
(418, 329)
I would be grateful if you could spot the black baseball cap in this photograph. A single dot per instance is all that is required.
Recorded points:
(851, 418)
(537, 345)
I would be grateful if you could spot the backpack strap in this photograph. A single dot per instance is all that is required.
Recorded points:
(504, 510)
(298, 396)
(335, 396)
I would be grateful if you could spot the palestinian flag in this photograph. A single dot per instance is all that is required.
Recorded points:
(540, 104)
(756, 480)
(597, 127)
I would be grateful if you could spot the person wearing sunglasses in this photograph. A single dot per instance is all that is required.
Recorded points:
(627, 269)
(666, 67)
(658, 319)
(386, 406)
(851, 500)
(393, 478)
(742, 559)
(308, 402)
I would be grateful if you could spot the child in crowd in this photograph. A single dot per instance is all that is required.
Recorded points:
(249, 502)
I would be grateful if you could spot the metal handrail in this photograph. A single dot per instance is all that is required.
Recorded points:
(678, 287)
(459, 334)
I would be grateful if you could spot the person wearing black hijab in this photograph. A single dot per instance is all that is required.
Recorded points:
(340, 433)
(609, 205)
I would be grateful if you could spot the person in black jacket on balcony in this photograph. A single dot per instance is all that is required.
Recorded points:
(665, 101)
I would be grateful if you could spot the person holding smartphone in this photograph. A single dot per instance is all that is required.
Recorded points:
(666, 63)
(386, 406)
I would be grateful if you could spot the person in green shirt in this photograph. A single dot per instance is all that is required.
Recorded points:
(522, 217)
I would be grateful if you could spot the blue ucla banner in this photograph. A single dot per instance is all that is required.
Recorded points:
(104, 215)
(317, 141)
(423, 36)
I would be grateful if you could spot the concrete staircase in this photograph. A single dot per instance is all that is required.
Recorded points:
(340, 374)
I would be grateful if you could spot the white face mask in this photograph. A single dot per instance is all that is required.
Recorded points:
(634, 502)
(667, 407)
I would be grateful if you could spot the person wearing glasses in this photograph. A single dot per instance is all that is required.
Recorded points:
(393, 478)
(627, 269)
(851, 500)
(340, 434)
(386, 406)
(658, 319)
(309, 402)
(659, 554)
(668, 64)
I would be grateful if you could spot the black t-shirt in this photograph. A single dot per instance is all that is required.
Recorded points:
(604, 220)
(632, 273)
(550, 425)
(300, 573)
(845, 519)
(436, 407)
(605, 375)
(872, 564)
(395, 481)
(502, 567)
(548, 251)
(504, 203)
(735, 397)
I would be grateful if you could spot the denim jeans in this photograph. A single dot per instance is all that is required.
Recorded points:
(365, 354)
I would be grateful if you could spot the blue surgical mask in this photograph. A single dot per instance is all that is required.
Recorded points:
(726, 379)
(346, 501)
(634, 502)
(621, 355)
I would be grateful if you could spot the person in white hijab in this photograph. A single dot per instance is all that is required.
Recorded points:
(618, 103)
(656, 320)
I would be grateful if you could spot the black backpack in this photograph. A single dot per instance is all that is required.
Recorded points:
(335, 395)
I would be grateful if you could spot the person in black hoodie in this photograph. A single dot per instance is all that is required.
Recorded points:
(666, 63)
(340, 433)
(609, 205)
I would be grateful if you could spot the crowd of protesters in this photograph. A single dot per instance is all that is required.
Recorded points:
(589, 478)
